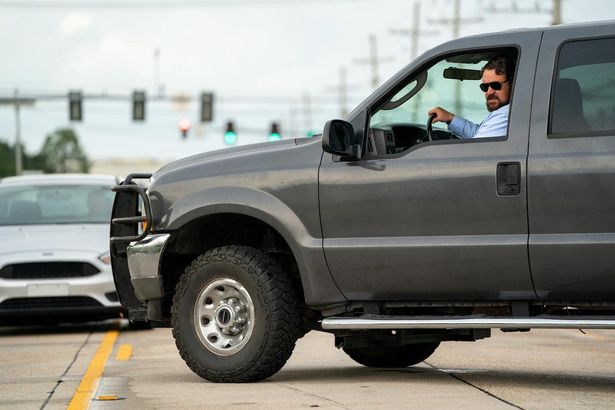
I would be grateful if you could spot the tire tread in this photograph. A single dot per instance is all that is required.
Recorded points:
(281, 309)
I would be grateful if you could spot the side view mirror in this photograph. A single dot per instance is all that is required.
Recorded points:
(338, 139)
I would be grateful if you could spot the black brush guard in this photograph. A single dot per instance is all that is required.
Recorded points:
(125, 219)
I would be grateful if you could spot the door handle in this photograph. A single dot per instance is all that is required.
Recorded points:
(508, 178)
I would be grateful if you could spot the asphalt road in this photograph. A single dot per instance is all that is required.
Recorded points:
(50, 367)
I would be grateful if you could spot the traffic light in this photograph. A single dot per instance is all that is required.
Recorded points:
(184, 127)
(274, 134)
(207, 107)
(138, 105)
(230, 136)
(75, 112)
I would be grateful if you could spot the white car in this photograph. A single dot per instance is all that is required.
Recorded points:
(54, 248)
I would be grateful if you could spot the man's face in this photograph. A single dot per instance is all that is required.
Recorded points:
(496, 99)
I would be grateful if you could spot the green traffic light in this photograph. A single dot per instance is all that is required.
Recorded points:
(274, 136)
(230, 138)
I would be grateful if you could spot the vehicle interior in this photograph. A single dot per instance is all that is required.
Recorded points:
(401, 121)
(31, 205)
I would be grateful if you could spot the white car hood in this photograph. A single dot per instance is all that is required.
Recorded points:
(84, 238)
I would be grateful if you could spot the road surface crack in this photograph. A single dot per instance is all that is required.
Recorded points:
(60, 380)
(456, 377)
(317, 396)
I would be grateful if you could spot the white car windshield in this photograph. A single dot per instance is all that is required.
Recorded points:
(55, 204)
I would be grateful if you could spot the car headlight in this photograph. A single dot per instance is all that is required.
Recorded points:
(105, 258)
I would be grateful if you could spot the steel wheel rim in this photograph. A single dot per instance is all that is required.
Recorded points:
(224, 316)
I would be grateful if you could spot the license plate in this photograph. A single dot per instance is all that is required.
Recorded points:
(48, 289)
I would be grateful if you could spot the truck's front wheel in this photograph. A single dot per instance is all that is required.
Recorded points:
(235, 316)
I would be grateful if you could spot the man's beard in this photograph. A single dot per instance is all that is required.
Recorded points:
(499, 104)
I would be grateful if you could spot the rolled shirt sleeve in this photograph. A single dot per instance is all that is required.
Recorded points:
(462, 127)
(495, 125)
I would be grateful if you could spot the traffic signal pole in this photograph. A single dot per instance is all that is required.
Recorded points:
(18, 156)
(17, 102)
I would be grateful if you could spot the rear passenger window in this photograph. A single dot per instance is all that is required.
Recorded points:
(583, 97)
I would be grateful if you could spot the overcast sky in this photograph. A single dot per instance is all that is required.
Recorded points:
(244, 51)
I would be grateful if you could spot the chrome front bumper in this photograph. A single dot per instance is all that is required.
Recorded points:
(144, 266)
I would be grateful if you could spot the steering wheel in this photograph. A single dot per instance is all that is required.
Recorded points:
(429, 127)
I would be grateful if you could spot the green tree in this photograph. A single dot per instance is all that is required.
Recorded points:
(34, 162)
(61, 152)
(7, 160)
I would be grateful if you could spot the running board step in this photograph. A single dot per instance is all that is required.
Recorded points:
(369, 322)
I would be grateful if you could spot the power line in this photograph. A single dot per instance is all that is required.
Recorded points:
(414, 32)
(223, 99)
(373, 60)
(555, 11)
(154, 4)
(343, 92)
(455, 22)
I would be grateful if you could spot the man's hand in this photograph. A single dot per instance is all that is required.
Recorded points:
(441, 115)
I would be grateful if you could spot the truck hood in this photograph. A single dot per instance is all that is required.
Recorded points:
(233, 152)
(54, 238)
(283, 170)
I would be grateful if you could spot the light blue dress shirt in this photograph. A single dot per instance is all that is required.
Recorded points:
(495, 125)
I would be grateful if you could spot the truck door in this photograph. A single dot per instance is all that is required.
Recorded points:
(440, 220)
(571, 166)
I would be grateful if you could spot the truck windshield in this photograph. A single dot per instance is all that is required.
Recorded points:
(55, 204)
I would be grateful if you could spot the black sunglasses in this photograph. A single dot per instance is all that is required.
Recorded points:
(496, 85)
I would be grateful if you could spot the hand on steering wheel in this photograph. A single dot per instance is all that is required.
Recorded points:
(429, 127)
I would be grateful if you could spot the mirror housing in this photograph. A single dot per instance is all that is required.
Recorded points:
(461, 74)
(338, 139)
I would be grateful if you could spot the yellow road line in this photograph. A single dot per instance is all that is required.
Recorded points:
(124, 352)
(82, 396)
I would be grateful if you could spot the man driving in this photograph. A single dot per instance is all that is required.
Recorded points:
(496, 83)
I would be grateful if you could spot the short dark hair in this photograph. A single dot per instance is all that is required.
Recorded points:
(502, 66)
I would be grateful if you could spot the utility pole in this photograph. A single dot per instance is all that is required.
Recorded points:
(373, 60)
(555, 11)
(17, 102)
(18, 156)
(343, 93)
(415, 31)
(307, 111)
(341, 88)
(455, 23)
(158, 87)
(292, 123)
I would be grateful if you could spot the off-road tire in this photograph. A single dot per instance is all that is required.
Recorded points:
(392, 356)
(275, 325)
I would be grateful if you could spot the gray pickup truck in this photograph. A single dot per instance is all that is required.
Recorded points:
(390, 233)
